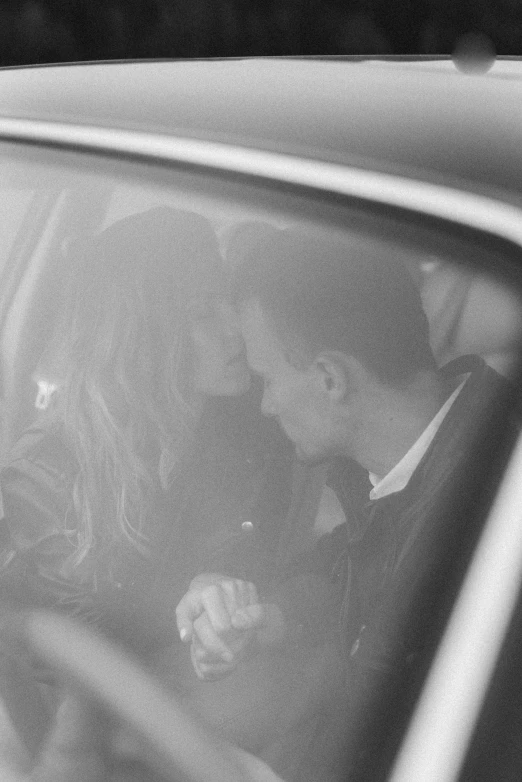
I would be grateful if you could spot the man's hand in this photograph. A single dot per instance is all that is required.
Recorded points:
(223, 620)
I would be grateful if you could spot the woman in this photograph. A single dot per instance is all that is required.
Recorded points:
(132, 484)
(97, 486)
(87, 489)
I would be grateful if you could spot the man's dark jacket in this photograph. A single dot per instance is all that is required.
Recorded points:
(396, 562)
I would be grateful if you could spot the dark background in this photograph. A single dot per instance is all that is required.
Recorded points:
(39, 31)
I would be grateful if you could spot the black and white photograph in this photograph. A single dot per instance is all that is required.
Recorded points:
(260, 391)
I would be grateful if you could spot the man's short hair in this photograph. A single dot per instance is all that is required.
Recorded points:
(355, 296)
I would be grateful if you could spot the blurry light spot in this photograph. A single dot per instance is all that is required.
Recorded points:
(45, 391)
(474, 53)
(247, 526)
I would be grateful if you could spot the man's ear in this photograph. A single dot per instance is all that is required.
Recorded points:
(340, 374)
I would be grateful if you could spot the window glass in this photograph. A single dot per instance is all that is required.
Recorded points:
(203, 375)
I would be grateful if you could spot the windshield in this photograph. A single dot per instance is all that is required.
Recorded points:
(250, 435)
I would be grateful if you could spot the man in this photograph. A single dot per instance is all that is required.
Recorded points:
(338, 334)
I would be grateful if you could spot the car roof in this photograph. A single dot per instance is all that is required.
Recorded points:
(400, 115)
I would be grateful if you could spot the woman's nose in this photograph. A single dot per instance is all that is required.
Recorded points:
(230, 330)
(267, 404)
(233, 341)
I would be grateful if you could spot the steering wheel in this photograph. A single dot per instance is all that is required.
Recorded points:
(176, 745)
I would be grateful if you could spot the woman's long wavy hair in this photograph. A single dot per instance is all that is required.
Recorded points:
(126, 400)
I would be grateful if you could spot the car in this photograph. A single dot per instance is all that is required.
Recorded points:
(412, 154)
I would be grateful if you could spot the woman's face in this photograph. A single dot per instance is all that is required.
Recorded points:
(221, 368)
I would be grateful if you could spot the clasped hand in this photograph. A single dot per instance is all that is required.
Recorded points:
(224, 622)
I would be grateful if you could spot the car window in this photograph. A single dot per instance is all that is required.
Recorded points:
(14, 209)
(360, 542)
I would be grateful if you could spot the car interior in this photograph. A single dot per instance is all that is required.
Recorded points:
(51, 201)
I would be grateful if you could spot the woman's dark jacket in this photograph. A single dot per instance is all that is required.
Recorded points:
(237, 470)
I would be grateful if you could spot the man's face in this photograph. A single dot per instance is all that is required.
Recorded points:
(297, 398)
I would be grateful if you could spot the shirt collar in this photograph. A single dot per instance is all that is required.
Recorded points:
(398, 477)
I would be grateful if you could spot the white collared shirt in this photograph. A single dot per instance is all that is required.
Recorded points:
(399, 475)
